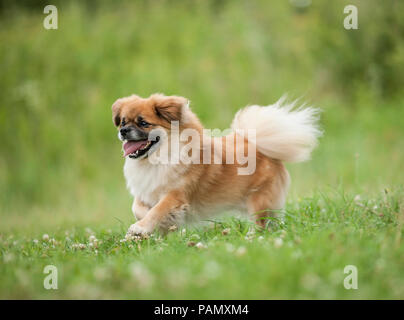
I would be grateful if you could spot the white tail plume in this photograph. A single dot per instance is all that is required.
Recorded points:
(282, 132)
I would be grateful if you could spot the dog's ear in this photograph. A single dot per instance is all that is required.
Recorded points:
(116, 112)
(117, 107)
(169, 108)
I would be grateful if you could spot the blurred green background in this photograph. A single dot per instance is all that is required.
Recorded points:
(60, 160)
(61, 179)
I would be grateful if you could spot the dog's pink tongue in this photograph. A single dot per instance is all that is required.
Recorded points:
(131, 146)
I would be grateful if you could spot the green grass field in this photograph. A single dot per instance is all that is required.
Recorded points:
(63, 200)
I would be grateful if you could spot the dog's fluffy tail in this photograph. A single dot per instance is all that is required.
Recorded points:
(283, 132)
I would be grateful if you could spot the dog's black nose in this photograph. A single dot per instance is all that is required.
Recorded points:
(124, 131)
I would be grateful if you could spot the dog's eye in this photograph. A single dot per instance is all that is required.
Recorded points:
(123, 122)
(143, 123)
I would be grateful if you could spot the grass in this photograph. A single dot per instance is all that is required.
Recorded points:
(302, 256)
(61, 165)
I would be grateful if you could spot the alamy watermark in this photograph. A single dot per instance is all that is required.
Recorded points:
(51, 280)
(351, 20)
(51, 20)
(190, 146)
(351, 280)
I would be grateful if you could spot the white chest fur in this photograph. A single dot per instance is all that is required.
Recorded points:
(150, 182)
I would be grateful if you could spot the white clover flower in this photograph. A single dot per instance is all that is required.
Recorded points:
(128, 237)
(241, 251)
(8, 257)
(141, 275)
(200, 245)
(260, 238)
(93, 241)
(80, 246)
(283, 234)
(45, 237)
(35, 241)
(278, 242)
(212, 269)
(226, 231)
(297, 254)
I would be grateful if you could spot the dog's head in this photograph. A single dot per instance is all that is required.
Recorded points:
(142, 122)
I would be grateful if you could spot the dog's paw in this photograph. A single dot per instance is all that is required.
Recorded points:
(138, 229)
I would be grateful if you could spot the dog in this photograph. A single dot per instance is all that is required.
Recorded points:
(168, 193)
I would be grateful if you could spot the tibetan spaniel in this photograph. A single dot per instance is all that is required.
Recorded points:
(176, 170)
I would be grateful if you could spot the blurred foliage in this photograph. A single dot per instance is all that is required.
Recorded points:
(58, 143)
(369, 58)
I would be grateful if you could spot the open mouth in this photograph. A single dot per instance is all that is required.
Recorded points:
(137, 148)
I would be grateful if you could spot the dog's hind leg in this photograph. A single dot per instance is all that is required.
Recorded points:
(269, 198)
(175, 218)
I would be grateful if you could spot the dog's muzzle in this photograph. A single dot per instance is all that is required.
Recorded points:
(137, 143)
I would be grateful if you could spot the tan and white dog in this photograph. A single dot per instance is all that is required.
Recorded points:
(169, 192)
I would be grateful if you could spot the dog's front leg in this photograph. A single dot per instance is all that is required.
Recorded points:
(174, 201)
(139, 209)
